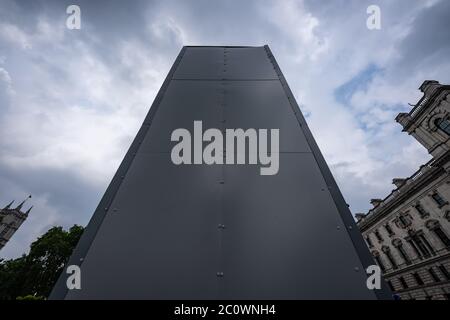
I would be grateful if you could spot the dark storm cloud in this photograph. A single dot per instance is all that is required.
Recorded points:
(428, 42)
(62, 187)
(68, 201)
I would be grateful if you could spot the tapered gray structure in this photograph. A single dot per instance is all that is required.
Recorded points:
(163, 231)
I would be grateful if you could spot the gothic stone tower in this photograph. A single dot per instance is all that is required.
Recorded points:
(11, 220)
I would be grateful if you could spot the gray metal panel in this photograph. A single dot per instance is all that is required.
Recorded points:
(248, 63)
(184, 102)
(225, 63)
(263, 104)
(159, 239)
(201, 63)
(246, 104)
(155, 232)
(284, 238)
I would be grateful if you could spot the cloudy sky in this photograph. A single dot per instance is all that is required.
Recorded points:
(71, 101)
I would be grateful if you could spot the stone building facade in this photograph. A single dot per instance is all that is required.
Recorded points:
(408, 232)
(10, 220)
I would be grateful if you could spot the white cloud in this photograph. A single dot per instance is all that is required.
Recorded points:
(6, 81)
(74, 113)
(14, 35)
(298, 28)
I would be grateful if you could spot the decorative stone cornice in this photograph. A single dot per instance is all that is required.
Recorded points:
(413, 184)
(434, 92)
(398, 182)
(375, 202)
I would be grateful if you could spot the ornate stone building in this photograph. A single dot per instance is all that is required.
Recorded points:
(408, 232)
(11, 220)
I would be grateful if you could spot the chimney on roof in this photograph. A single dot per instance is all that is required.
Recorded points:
(398, 182)
(375, 202)
(429, 85)
(403, 118)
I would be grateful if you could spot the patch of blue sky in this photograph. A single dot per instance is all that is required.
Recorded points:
(360, 82)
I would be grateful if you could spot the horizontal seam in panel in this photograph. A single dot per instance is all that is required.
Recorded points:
(208, 79)
(224, 46)
(168, 152)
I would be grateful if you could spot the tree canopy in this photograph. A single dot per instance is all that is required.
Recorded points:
(34, 274)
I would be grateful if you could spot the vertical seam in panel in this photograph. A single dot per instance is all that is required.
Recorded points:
(341, 206)
(222, 196)
(222, 226)
(60, 289)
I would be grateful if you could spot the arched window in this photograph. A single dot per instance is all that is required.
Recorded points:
(438, 199)
(443, 124)
(389, 229)
(420, 244)
(435, 227)
(401, 249)
(378, 236)
(387, 252)
(423, 214)
(403, 220)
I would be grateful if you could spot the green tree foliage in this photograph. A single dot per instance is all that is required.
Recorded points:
(35, 274)
(30, 297)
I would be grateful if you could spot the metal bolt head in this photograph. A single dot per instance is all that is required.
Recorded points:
(219, 274)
